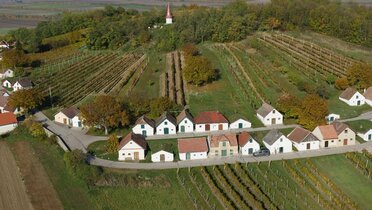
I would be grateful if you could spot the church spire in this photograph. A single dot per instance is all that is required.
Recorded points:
(168, 18)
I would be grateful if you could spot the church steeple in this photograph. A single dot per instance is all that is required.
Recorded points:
(168, 18)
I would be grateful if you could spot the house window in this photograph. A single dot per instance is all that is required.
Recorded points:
(224, 144)
(185, 121)
(345, 131)
(281, 139)
(231, 152)
(339, 140)
(128, 153)
(351, 139)
(123, 154)
(332, 141)
(142, 126)
(274, 111)
(357, 97)
(165, 123)
(250, 141)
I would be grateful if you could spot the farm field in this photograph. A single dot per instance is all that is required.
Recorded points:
(12, 190)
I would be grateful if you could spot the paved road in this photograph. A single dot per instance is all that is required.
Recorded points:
(364, 116)
(231, 160)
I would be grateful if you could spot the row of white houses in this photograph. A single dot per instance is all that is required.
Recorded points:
(134, 146)
(205, 121)
(353, 97)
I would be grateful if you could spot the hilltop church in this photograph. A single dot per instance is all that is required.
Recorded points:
(168, 18)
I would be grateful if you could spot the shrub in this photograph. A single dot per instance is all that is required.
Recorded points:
(199, 71)
(341, 83)
(37, 130)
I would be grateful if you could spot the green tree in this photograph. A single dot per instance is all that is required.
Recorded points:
(360, 75)
(37, 130)
(112, 144)
(289, 105)
(199, 71)
(313, 111)
(14, 58)
(26, 99)
(341, 83)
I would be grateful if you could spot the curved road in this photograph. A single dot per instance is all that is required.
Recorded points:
(77, 139)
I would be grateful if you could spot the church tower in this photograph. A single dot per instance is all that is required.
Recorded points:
(168, 18)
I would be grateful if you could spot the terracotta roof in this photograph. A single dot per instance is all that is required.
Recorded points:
(144, 120)
(24, 82)
(339, 126)
(272, 137)
(348, 93)
(137, 138)
(193, 145)
(70, 112)
(231, 138)
(210, 117)
(164, 116)
(243, 138)
(368, 93)
(328, 132)
(7, 118)
(299, 135)
(184, 114)
(265, 109)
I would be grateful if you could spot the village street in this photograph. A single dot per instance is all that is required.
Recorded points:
(77, 139)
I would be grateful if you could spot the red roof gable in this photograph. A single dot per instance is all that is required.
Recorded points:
(210, 117)
(192, 145)
(7, 118)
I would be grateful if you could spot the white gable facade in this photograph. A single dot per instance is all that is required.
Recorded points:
(7, 84)
(143, 129)
(211, 127)
(8, 73)
(63, 119)
(162, 156)
(18, 86)
(273, 118)
(332, 117)
(308, 145)
(186, 126)
(240, 123)
(281, 145)
(347, 137)
(77, 122)
(193, 155)
(166, 127)
(356, 100)
(367, 136)
(249, 148)
(131, 151)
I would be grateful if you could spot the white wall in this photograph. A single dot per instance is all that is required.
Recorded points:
(245, 149)
(213, 127)
(171, 127)
(17, 86)
(369, 102)
(128, 150)
(75, 122)
(138, 130)
(168, 20)
(168, 157)
(366, 136)
(235, 125)
(354, 100)
(281, 142)
(267, 120)
(189, 126)
(7, 128)
(349, 135)
(303, 145)
(194, 155)
(7, 84)
(59, 118)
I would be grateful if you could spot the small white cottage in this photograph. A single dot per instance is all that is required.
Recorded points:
(132, 147)
(162, 156)
(352, 97)
(269, 116)
(23, 83)
(247, 145)
(7, 83)
(368, 96)
(7, 73)
(210, 121)
(240, 123)
(332, 117)
(193, 148)
(185, 122)
(144, 126)
(69, 116)
(367, 136)
(276, 142)
(303, 139)
(166, 124)
(8, 122)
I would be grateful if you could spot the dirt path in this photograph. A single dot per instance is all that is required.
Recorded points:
(13, 195)
(38, 185)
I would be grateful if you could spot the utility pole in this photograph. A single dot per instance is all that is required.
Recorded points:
(50, 96)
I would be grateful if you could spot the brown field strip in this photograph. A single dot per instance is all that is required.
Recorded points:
(38, 185)
(13, 195)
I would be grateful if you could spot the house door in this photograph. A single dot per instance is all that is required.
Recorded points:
(207, 127)
(136, 155)
(162, 157)
(144, 133)
(370, 137)
(358, 103)
(345, 141)
(220, 127)
(240, 125)
(188, 156)
(223, 153)
(273, 121)
(182, 129)
(64, 121)
(281, 149)
(308, 146)
(250, 150)
(326, 144)
(166, 130)
(79, 124)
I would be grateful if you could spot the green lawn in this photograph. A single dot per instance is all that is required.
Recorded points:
(99, 150)
(360, 125)
(345, 111)
(343, 173)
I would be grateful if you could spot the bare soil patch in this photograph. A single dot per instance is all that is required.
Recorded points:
(13, 195)
(39, 187)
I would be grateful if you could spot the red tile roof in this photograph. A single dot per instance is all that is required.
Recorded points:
(328, 132)
(7, 118)
(243, 138)
(139, 139)
(231, 138)
(210, 117)
(192, 145)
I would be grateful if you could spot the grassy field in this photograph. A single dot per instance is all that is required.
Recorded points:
(360, 125)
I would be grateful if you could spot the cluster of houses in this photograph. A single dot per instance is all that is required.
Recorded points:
(134, 146)
(352, 97)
